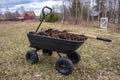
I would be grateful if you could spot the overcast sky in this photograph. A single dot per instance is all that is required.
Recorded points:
(35, 5)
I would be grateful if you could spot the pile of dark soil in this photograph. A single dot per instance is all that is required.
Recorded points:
(62, 34)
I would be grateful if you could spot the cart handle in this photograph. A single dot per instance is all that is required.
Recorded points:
(104, 39)
(44, 15)
(98, 38)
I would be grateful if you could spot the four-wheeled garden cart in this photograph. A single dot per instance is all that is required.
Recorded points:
(47, 44)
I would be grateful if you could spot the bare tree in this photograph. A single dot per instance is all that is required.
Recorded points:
(63, 11)
(17, 14)
(7, 14)
(119, 11)
(76, 12)
(21, 10)
(88, 10)
(113, 10)
(101, 8)
(81, 10)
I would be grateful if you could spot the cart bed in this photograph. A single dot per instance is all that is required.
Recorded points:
(54, 44)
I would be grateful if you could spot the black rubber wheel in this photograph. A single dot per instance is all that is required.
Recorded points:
(74, 57)
(32, 57)
(47, 52)
(64, 66)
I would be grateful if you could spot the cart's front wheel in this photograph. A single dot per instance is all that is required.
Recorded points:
(47, 52)
(74, 57)
(64, 66)
(32, 57)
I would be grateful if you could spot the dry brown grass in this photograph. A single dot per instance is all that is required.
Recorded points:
(99, 60)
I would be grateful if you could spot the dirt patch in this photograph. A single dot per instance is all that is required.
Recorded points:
(61, 34)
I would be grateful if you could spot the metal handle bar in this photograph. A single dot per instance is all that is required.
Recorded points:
(44, 15)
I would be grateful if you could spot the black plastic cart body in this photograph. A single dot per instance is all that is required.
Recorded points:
(53, 44)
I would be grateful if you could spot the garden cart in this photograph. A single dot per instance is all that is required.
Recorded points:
(48, 44)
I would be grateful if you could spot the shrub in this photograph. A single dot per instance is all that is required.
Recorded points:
(53, 17)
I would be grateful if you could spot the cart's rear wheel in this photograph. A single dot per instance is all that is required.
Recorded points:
(74, 57)
(47, 52)
(32, 57)
(64, 66)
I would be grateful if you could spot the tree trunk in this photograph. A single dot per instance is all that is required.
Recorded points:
(76, 15)
(81, 12)
(88, 11)
(88, 15)
(63, 17)
(92, 18)
(119, 12)
(99, 13)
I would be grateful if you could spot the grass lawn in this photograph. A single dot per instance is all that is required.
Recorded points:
(99, 60)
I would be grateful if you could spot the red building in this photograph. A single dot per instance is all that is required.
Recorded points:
(27, 15)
